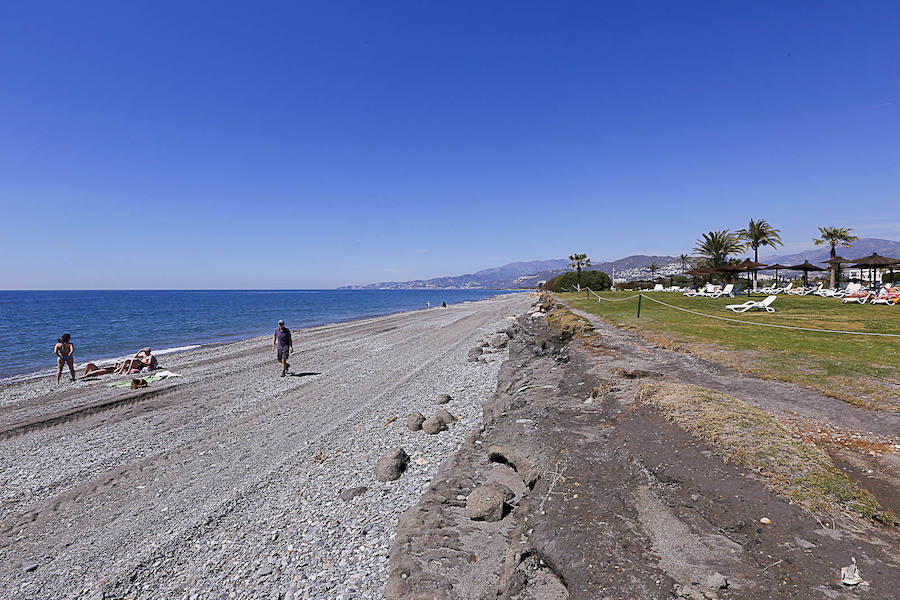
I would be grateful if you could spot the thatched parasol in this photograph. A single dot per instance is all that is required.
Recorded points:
(731, 269)
(749, 265)
(835, 263)
(776, 267)
(806, 267)
(875, 261)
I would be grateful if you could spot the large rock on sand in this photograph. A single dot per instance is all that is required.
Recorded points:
(414, 421)
(434, 425)
(442, 399)
(487, 502)
(499, 340)
(392, 465)
(445, 416)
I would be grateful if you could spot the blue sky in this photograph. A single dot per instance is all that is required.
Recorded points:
(233, 145)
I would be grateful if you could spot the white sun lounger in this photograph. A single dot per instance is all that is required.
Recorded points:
(726, 291)
(765, 305)
(851, 288)
(707, 289)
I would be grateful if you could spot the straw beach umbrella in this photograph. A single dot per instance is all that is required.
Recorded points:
(697, 273)
(776, 267)
(749, 265)
(874, 262)
(730, 269)
(835, 264)
(806, 267)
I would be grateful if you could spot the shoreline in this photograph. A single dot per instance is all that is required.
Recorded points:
(231, 480)
(28, 376)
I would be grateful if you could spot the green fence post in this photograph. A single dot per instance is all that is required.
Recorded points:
(587, 294)
(639, 306)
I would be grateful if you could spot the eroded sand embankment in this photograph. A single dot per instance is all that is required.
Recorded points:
(599, 496)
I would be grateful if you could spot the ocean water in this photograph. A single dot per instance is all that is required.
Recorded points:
(107, 324)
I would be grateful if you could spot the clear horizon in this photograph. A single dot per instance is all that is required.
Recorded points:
(212, 146)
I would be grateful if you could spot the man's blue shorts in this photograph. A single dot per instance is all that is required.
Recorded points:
(283, 352)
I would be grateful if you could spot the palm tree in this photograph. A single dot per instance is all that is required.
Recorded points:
(834, 236)
(757, 234)
(653, 268)
(717, 246)
(684, 258)
(579, 261)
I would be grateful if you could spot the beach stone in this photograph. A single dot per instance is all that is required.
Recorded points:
(499, 340)
(351, 493)
(486, 502)
(392, 465)
(414, 421)
(434, 425)
(442, 399)
(445, 416)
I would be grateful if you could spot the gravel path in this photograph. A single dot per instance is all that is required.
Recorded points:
(206, 486)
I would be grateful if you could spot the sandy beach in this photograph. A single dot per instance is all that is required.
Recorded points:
(207, 484)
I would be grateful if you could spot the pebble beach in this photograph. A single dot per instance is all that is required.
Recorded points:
(229, 481)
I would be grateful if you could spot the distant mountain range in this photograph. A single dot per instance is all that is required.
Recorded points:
(860, 248)
(527, 274)
(523, 274)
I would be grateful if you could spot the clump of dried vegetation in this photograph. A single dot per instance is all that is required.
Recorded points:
(749, 436)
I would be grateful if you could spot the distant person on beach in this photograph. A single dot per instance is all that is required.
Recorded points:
(443, 305)
(65, 355)
(428, 304)
(283, 345)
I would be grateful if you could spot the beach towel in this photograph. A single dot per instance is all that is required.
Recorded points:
(157, 377)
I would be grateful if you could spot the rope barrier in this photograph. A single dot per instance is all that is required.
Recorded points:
(611, 299)
(694, 312)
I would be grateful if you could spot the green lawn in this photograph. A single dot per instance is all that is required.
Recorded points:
(862, 370)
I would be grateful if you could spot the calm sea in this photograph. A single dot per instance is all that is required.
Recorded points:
(107, 324)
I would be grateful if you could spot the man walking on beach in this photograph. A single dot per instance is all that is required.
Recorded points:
(283, 345)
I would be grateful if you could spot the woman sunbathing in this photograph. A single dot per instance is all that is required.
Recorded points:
(92, 370)
(142, 359)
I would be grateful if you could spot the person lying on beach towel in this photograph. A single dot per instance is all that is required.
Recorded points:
(92, 370)
(142, 359)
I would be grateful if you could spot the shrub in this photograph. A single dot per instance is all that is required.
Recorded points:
(596, 280)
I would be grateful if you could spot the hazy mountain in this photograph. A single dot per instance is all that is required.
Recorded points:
(817, 254)
(523, 274)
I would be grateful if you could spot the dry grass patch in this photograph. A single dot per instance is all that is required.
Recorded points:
(789, 466)
(567, 322)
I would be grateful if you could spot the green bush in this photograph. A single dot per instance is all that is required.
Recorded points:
(596, 280)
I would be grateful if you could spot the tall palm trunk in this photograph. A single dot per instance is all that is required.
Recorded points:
(833, 266)
(756, 260)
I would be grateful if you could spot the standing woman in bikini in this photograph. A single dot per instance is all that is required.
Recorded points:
(64, 351)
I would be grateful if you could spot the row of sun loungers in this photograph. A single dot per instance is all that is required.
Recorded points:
(854, 292)
(712, 291)
(886, 295)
